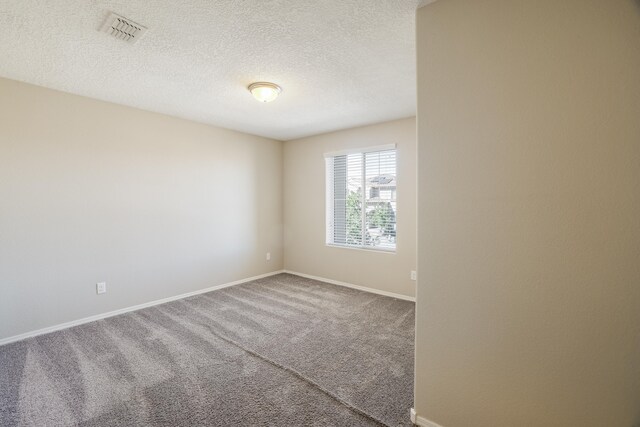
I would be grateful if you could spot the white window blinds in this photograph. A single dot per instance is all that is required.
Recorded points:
(361, 199)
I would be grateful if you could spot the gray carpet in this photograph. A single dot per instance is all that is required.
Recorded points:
(280, 351)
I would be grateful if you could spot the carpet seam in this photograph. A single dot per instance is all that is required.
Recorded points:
(300, 376)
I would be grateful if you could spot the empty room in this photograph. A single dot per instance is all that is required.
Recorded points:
(320, 213)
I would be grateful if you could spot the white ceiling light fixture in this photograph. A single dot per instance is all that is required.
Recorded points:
(264, 91)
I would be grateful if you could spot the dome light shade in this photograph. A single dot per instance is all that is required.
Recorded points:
(264, 92)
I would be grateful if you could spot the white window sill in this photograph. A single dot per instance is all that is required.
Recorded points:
(363, 248)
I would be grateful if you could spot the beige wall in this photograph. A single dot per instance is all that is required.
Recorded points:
(528, 301)
(153, 205)
(304, 212)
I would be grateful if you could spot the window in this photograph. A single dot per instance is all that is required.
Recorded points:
(361, 198)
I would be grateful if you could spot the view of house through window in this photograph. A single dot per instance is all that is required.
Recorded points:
(361, 199)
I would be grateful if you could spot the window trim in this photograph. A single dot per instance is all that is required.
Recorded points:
(363, 248)
(360, 150)
(329, 202)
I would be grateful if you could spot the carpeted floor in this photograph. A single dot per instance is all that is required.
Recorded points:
(280, 351)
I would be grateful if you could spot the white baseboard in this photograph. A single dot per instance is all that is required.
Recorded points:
(128, 309)
(420, 421)
(77, 322)
(350, 285)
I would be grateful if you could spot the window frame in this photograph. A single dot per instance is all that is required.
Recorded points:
(330, 198)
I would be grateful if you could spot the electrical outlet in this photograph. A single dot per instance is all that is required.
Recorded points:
(268, 256)
(101, 287)
(414, 275)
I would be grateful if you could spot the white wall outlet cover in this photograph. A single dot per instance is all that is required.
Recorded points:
(414, 275)
(268, 256)
(101, 287)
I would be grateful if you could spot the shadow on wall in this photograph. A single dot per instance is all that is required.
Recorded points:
(637, 423)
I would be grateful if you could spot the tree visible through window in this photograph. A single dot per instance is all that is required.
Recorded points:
(361, 199)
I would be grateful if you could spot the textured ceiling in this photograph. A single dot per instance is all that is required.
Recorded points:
(341, 63)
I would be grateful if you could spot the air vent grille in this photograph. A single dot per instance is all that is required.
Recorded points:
(123, 29)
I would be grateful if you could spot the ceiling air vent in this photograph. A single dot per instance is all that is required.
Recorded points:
(123, 28)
